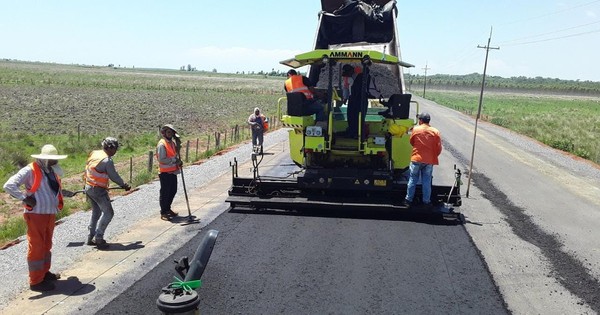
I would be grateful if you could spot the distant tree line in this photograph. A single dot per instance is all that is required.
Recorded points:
(473, 81)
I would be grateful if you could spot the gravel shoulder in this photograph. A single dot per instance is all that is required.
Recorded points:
(139, 240)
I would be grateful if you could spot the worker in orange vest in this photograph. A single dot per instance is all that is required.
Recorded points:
(169, 165)
(299, 83)
(427, 146)
(99, 169)
(42, 199)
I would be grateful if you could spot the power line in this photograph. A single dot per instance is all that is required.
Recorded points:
(554, 38)
(425, 81)
(549, 33)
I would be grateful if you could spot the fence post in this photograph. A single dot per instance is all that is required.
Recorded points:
(130, 169)
(216, 140)
(197, 147)
(187, 151)
(225, 138)
(208, 144)
(150, 155)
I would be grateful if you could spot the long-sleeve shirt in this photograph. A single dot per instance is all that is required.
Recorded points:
(108, 166)
(46, 197)
(256, 122)
(427, 144)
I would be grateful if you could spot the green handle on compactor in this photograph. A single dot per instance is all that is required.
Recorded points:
(185, 285)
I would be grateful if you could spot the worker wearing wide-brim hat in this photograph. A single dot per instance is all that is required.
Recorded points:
(42, 199)
(169, 165)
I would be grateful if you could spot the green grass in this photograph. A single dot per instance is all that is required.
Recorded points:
(75, 107)
(571, 124)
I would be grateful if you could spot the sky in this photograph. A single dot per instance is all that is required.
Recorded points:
(545, 38)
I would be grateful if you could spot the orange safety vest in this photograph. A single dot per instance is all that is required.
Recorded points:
(171, 153)
(265, 123)
(37, 180)
(295, 84)
(93, 177)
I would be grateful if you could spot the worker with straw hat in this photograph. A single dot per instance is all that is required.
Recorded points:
(42, 199)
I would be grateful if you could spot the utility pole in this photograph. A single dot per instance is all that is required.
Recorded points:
(425, 82)
(487, 50)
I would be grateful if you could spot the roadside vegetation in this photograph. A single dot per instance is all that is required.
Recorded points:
(522, 84)
(570, 124)
(75, 107)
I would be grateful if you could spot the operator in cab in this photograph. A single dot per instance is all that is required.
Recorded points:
(299, 83)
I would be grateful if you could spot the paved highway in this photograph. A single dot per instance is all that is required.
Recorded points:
(330, 262)
(529, 244)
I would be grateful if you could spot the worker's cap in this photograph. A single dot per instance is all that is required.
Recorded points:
(49, 152)
(169, 126)
(110, 142)
(292, 72)
(424, 117)
(256, 109)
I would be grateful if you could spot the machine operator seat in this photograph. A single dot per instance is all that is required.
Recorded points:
(398, 106)
(295, 104)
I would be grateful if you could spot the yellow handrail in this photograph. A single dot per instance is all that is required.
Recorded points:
(279, 115)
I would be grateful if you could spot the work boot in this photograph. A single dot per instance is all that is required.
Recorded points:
(49, 276)
(407, 203)
(90, 241)
(100, 243)
(172, 214)
(165, 217)
(43, 286)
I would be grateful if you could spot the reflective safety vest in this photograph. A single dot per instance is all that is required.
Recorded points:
(93, 177)
(171, 153)
(37, 180)
(295, 84)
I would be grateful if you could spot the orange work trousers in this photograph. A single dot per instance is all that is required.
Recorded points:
(40, 228)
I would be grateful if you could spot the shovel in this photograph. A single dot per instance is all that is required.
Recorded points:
(70, 194)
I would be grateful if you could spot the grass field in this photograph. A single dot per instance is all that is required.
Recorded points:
(571, 124)
(75, 107)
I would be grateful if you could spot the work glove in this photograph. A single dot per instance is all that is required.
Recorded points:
(126, 187)
(179, 162)
(67, 193)
(30, 201)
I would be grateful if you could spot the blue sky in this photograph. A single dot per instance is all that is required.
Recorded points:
(547, 38)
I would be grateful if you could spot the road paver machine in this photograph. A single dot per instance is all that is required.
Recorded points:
(366, 169)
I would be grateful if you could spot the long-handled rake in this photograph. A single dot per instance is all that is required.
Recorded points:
(190, 219)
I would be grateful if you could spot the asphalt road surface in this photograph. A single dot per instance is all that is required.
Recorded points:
(529, 244)
(330, 262)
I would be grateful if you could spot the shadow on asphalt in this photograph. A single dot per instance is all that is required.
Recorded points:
(115, 247)
(185, 220)
(70, 287)
(411, 216)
